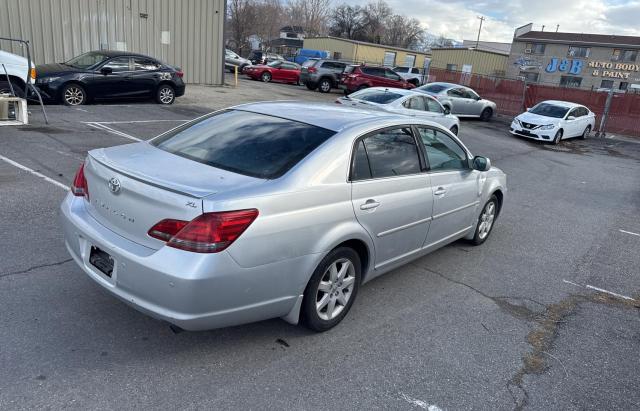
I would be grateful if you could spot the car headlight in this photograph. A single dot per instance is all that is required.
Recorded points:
(46, 80)
(516, 121)
(548, 127)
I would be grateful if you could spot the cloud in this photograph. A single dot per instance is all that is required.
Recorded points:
(457, 19)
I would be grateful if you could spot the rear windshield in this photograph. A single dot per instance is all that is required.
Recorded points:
(376, 96)
(401, 69)
(433, 88)
(309, 63)
(349, 69)
(549, 110)
(246, 143)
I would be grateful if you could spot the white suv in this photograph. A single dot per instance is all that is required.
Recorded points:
(411, 74)
(17, 70)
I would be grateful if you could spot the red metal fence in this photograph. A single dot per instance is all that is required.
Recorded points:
(512, 99)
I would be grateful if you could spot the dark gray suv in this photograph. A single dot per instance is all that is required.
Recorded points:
(321, 74)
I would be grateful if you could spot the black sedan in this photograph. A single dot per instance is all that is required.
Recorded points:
(109, 75)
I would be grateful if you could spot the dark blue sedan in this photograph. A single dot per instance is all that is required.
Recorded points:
(109, 75)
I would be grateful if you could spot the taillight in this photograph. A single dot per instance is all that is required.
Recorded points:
(207, 233)
(312, 69)
(79, 187)
(179, 74)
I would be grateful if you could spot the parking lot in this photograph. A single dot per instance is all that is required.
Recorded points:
(543, 315)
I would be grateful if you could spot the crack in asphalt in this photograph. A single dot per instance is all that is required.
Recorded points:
(542, 337)
(35, 267)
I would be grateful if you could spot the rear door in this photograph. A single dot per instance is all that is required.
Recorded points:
(145, 76)
(458, 99)
(454, 183)
(392, 78)
(391, 194)
(290, 71)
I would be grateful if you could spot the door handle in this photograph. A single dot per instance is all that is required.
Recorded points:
(369, 205)
(440, 191)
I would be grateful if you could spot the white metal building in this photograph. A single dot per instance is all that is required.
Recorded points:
(184, 33)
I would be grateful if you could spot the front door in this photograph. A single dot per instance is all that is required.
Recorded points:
(390, 193)
(455, 186)
(573, 127)
(114, 84)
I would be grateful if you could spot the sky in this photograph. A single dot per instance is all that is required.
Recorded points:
(457, 19)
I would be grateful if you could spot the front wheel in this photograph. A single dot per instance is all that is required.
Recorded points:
(73, 95)
(486, 114)
(266, 77)
(165, 94)
(586, 132)
(310, 86)
(485, 221)
(454, 130)
(558, 137)
(331, 290)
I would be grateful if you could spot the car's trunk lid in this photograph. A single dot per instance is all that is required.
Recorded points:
(133, 187)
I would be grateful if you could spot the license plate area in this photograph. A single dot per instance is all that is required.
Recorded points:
(101, 260)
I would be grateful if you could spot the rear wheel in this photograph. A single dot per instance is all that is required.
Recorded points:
(165, 94)
(486, 220)
(454, 130)
(486, 114)
(324, 86)
(73, 95)
(586, 132)
(266, 77)
(332, 289)
(558, 137)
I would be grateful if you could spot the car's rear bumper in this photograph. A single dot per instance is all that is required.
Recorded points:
(191, 290)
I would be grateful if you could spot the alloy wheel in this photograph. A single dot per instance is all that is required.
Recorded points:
(325, 86)
(486, 220)
(335, 289)
(73, 95)
(166, 95)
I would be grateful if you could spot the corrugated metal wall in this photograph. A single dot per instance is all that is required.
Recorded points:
(184, 33)
(482, 62)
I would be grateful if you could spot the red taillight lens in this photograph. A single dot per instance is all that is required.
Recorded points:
(79, 186)
(312, 69)
(207, 233)
(179, 74)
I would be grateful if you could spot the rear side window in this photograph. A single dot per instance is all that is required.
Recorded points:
(388, 153)
(401, 69)
(145, 64)
(246, 143)
(373, 71)
(376, 96)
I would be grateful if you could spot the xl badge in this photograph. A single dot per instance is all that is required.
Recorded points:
(114, 185)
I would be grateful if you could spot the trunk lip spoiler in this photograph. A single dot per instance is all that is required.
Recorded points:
(199, 194)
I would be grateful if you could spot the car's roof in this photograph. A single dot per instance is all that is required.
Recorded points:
(330, 116)
(401, 91)
(118, 53)
(448, 85)
(567, 104)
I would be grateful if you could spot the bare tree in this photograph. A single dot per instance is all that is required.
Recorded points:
(312, 15)
(270, 17)
(346, 21)
(375, 15)
(241, 19)
(402, 31)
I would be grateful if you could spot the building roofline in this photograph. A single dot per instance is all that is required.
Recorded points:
(506, 54)
(575, 38)
(366, 43)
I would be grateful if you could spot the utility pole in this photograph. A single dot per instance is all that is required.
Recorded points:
(557, 27)
(482, 18)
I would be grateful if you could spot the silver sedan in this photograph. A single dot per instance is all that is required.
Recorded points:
(269, 210)
(400, 101)
(460, 100)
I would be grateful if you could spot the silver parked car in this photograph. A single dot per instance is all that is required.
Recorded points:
(407, 102)
(233, 60)
(460, 100)
(278, 209)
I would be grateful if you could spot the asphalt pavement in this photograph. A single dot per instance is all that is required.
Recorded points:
(544, 315)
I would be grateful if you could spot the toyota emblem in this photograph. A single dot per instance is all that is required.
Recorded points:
(114, 185)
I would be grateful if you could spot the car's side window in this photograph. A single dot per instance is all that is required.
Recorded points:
(575, 113)
(391, 75)
(471, 94)
(145, 64)
(118, 64)
(433, 106)
(455, 92)
(443, 153)
(415, 103)
(388, 153)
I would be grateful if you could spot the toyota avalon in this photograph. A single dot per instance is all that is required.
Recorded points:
(277, 209)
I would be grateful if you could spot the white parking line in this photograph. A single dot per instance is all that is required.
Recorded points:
(602, 290)
(34, 172)
(101, 126)
(629, 232)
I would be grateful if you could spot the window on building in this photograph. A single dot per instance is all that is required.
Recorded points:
(535, 48)
(410, 60)
(579, 52)
(606, 84)
(389, 59)
(624, 55)
(452, 67)
(570, 81)
(624, 85)
(529, 76)
(337, 55)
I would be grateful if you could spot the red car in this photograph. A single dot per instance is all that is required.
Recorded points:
(358, 77)
(279, 70)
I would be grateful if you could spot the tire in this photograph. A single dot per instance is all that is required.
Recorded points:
(311, 86)
(73, 95)
(324, 86)
(486, 221)
(585, 133)
(454, 130)
(558, 137)
(414, 81)
(17, 88)
(486, 114)
(317, 313)
(265, 77)
(165, 94)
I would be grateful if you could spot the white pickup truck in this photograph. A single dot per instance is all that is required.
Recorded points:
(17, 69)
(411, 74)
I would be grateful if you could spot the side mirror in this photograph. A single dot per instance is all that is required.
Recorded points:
(481, 163)
(528, 108)
(571, 118)
(447, 111)
(106, 70)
